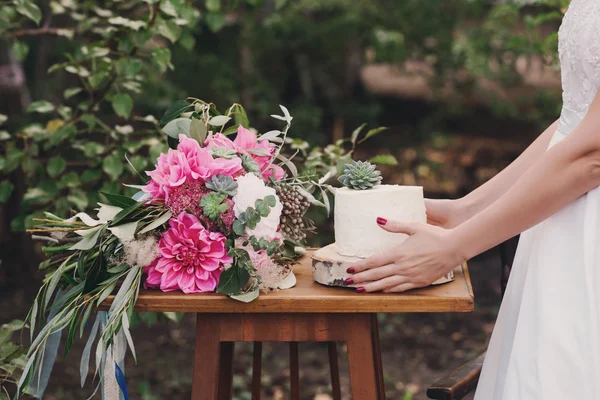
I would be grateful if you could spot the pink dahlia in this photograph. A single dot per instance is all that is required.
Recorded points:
(188, 162)
(245, 140)
(191, 257)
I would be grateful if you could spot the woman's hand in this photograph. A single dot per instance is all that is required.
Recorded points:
(427, 255)
(446, 213)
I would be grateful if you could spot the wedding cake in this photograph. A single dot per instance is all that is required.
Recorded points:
(357, 234)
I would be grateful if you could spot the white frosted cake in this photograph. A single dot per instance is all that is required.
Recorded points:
(357, 234)
(356, 231)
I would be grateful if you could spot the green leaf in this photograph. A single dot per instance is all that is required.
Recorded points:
(118, 200)
(198, 131)
(239, 116)
(41, 107)
(29, 9)
(219, 120)
(356, 132)
(213, 5)
(20, 50)
(373, 132)
(174, 111)
(157, 222)
(89, 238)
(176, 127)
(6, 189)
(113, 166)
(215, 21)
(122, 104)
(131, 66)
(56, 166)
(384, 159)
(162, 57)
(78, 198)
(170, 30)
(270, 200)
(233, 280)
(239, 228)
(247, 297)
(68, 93)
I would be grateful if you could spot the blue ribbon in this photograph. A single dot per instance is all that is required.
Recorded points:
(120, 376)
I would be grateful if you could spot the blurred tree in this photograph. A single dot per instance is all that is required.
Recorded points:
(113, 64)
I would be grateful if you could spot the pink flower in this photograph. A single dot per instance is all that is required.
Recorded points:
(188, 162)
(191, 257)
(245, 140)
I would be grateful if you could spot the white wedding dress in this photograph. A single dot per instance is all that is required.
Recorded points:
(546, 343)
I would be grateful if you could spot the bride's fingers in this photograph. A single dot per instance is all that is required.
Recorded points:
(375, 261)
(401, 288)
(373, 274)
(385, 283)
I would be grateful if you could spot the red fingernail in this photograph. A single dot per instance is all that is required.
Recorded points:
(351, 270)
(349, 281)
(381, 221)
(360, 289)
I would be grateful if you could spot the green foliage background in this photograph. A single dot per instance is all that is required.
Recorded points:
(98, 74)
(113, 65)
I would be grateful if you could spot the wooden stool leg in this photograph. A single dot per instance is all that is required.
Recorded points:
(226, 371)
(206, 357)
(361, 359)
(256, 370)
(294, 372)
(335, 370)
(377, 358)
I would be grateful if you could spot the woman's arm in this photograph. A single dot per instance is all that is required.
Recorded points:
(489, 192)
(451, 213)
(567, 171)
(562, 174)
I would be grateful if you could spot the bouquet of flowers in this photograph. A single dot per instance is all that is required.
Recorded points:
(223, 210)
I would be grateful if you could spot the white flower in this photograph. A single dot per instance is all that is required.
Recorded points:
(251, 188)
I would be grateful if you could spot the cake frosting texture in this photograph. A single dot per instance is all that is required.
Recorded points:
(356, 231)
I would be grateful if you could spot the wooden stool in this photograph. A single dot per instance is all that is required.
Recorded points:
(307, 312)
(216, 334)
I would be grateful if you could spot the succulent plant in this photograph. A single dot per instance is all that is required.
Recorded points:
(360, 175)
(222, 184)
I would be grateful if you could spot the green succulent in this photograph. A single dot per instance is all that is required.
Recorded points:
(213, 206)
(360, 175)
(222, 184)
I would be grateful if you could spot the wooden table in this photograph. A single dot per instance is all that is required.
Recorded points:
(307, 312)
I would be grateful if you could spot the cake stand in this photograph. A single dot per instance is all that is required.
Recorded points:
(329, 268)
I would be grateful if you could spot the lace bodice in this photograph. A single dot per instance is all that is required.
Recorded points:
(579, 51)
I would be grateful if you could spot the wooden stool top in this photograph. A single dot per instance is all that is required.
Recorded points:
(310, 297)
